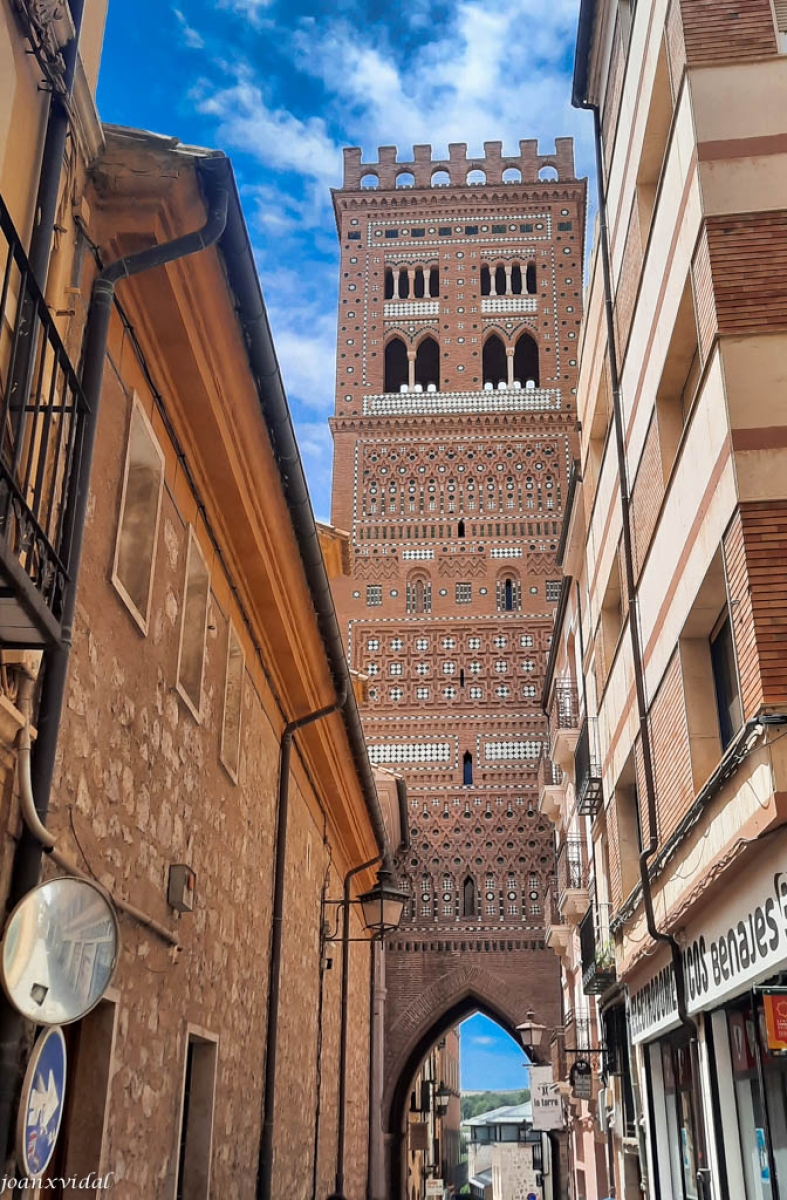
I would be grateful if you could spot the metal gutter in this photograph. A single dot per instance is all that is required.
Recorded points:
(565, 589)
(574, 479)
(238, 258)
(587, 20)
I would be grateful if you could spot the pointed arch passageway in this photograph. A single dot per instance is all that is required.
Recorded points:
(500, 981)
(463, 989)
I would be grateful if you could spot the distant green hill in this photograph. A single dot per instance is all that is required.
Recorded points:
(476, 1103)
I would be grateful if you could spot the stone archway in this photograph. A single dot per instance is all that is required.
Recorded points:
(453, 995)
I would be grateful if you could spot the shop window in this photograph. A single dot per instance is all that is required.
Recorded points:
(140, 510)
(233, 700)
(191, 658)
(195, 1143)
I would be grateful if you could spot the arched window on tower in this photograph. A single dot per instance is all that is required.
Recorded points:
(516, 280)
(467, 769)
(485, 282)
(526, 361)
(427, 363)
(389, 283)
(494, 361)
(509, 593)
(500, 279)
(434, 282)
(468, 897)
(530, 279)
(418, 285)
(419, 594)
(404, 284)
(460, 530)
(395, 365)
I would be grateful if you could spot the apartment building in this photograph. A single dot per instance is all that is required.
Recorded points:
(667, 689)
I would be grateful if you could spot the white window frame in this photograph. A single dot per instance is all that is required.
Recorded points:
(226, 758)
(141, 619)
(193, 548)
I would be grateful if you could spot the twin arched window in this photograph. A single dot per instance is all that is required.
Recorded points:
(400, 372)
(524, 367)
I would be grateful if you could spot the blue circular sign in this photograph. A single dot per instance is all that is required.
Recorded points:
(41, 1103)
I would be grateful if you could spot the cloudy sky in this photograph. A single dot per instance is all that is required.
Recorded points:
(282, 88)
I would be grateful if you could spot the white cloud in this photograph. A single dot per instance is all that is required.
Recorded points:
(490, 74)
(272, 135)
(191, 36)
(251, 9)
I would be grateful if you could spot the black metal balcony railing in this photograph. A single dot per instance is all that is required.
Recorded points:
(552, 913)
(587, 771)
(572, 865)
(549, 773)
(597, 951)
(42, 410)
(564, 706)
(577, 1030)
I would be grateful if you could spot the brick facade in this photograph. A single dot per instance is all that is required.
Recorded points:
(453, 497)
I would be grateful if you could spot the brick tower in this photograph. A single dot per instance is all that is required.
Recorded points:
(459, 313)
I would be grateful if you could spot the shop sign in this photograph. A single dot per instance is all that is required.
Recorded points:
(653, 1009)
(418, 1132)
(547, 1107)
(745, 941)
(581, 1079)
(434, 1187)
(775, 1006)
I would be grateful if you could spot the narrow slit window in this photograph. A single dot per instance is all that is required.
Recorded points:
(140, 510)
(196, 1125)
(191, 661)
(233, 704)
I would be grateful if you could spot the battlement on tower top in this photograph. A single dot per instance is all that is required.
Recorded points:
(458, 170)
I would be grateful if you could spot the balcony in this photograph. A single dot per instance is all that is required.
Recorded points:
(563, 723)
(572, 878)
(577, 1031)
(587, 771)
(597, 949)
(42, 409)
(551, 789)
(558, 934)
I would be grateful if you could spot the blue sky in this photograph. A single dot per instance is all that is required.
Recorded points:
(490, 1059)
(283, 87)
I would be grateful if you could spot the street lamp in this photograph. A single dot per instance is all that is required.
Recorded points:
(382, 907)
(531, 1034)
(442, 1099)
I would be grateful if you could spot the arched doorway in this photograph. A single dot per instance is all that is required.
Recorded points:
(401, 1096)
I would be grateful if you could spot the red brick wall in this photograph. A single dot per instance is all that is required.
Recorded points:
(724, 31)
(628, 282)
(748, 260)
(676, 49)
(671, 751)
(755, 552)
(647, 494)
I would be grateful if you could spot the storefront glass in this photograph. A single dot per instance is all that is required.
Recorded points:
(761, 1099)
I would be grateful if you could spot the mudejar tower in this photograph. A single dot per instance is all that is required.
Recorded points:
(459, 315)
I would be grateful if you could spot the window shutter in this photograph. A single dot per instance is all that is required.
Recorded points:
(781, 15)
